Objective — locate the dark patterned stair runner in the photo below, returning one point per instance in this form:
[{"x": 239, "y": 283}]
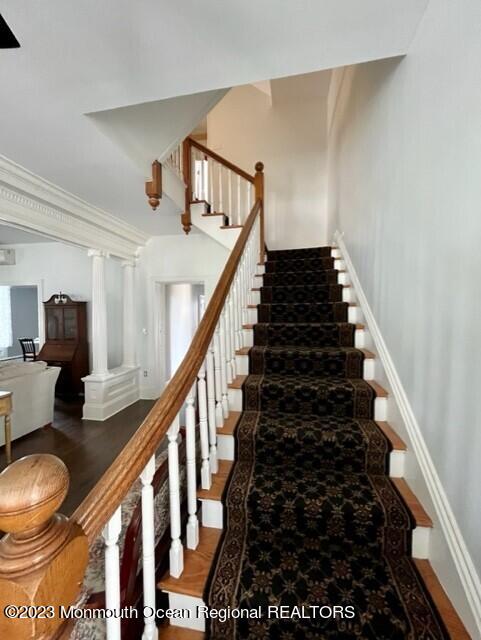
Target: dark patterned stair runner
[{"x": 312, "y": 518}]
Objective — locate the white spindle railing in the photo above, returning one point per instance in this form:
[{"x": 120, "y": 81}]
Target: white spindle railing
[
  {"x": 111, "y": 535},
  {"x": 225, "y": 190},
  {"x": 209, "y": 395},
  {"x": 174, "y": 161},
  {"x": 148, "y": 548}
]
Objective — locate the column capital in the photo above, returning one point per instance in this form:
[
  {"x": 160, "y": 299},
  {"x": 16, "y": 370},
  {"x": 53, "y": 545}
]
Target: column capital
[
  {"x": 97, "y": 253},
  {"x": 130, "y": 262}
]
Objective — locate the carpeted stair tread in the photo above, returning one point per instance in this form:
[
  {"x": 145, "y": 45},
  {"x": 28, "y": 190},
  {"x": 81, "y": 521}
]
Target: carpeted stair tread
[
  {"x": 331, "y": 443},
  {"x": 302, "y": 293},
  {"x": 328, "y": 276},
  {"x": 341, "y": 362},
  {"x": 309, "y": 334},
  {"x": 301, "y": 264},
  {"x": 340, "y": 397},
  {"x": 342, "y": 507},
  {"x": 290, "y": 254},
  {"x": 303, "y": 312}
]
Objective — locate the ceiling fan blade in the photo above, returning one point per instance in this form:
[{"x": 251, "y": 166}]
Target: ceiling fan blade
[{"x": 7, "y": 39}]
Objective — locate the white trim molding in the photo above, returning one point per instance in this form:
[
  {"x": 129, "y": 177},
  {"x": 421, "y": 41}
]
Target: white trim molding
[
  {"x": 456, "y": 546},
  {"x": 108, "y": 394},
  {"x": 29, "y": 202}
]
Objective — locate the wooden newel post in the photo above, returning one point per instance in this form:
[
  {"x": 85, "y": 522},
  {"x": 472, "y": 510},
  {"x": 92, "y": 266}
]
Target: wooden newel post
[
  {"x": 259, "y": 193},
  {"x": 187, "y": 172},
  {"x": 43, "y": 555}
]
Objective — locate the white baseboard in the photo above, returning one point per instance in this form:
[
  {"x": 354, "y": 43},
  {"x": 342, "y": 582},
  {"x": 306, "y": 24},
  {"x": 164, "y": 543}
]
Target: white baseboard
[{"x": 451, "y": 533}]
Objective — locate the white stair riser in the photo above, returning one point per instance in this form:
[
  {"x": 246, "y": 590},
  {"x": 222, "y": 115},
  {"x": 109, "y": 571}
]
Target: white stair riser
[
  {"x": 380, "y": 409},
  {"x": 225, "y": 447},
  {"x": 360, "y": 338},
  {"x": 251, "y": 316},
  {"x": 235, "y": 399},
  {"x": 421, "y": 538},
  {"x": 212, "y": 514},
  {"x": 354, "y": 315},
  {"x": 180, "y": 601},
  {"x": 248, "y": 337},
  {"x": 261, "y": 269},
  {"x": 397, "y": 463},
  {"x": 255, "y": 297},
  {"x": 369, "y": 369},
  {"x": 242, "y": 365}
]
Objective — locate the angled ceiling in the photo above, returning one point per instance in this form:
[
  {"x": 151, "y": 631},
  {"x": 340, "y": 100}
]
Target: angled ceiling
[
  {"x": 152, "y": 129},
  {"x": 78, "y": 58}
]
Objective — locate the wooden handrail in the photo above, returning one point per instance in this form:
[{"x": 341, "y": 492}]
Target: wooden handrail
[
  {"x": 99, "y": 505},
  {"x": 221, "y": 160}
]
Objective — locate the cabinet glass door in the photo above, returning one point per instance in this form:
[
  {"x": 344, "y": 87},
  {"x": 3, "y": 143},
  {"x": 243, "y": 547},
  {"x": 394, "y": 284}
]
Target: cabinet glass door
[
  {"x": 54, "y": 324},
  {"x": 70, "y": 324}
]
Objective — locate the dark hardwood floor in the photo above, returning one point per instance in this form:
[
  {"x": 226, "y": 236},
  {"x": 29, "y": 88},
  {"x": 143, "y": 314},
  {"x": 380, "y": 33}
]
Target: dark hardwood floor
[{"x": 86, "y": 447}]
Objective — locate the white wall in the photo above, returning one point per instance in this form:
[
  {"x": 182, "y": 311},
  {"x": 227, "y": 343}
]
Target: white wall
[
  {"x": 53, "y": 266},
  {"x": 285, "y": 133},
  {"x": 195, "y": 258},
  {"x": 405, "y": 188}
]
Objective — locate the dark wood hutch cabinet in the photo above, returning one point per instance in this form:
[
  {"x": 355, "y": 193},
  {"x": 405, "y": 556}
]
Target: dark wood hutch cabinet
[{"x": 66, "y": 344}]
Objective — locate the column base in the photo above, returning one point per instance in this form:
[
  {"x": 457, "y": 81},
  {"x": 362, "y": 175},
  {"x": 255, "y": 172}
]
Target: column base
[{"x": 107, "y": 394}]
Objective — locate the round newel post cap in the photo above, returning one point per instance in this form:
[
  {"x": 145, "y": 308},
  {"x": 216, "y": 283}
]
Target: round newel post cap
[
  {"x": 259, "y": 167},
  {"x": 31, "y": 490},
  {"x": 154, "y": 202}
]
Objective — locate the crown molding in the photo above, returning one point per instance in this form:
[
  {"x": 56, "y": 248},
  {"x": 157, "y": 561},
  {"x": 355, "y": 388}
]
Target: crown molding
[{"x": 34, "y": 204}]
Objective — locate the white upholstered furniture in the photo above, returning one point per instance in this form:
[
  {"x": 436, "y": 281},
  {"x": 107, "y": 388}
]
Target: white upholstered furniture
[{"x": 33, "y": 387}]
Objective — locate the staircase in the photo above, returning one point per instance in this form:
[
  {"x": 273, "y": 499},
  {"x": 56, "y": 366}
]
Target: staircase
[
  {"x": 285, "y": 482},
  {"x": 314, "y": 509}
]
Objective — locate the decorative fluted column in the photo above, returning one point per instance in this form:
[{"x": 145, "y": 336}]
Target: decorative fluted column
[
  {"x": 99, "y": 314},
  {"x": 128, "y": 355}
]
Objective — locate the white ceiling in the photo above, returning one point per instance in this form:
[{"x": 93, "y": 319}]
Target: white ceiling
[{"x": 77, "y": 58}]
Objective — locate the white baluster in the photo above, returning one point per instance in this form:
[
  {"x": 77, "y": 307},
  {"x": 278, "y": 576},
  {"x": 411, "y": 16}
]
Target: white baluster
[
  {"x": 193, "y": 169},
  {"x": 229, "y": 196},
  {"x": 111, "y": 535},
  {"x": 249, "y": 197},
  {"x": 148, "y": 548},
  {"x": 200, "y": 165},
  {"x": 228, "y": 352},
  {"x": 223, "y": 366},
  {"x": 219, "y": 416},
  {"x": 239, "y": 341},
  {"x": 230, "y": 332},
  {"x": 221, "y": 201},
  {"x": 176, "y": 555},
  {"x": 192, "y": 521},
  {"x": 244, "y": 293},
  {"x": 239, "y": 212},
  {"x": 210, "y": 169},
  {"x": 211, "y": 409},
  {"x": 205, "y": 478}
]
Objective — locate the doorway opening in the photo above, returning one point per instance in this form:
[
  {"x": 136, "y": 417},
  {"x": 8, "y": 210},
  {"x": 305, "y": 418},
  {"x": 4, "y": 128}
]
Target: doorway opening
[
  {"x": 184, "y": 307},
  {"x": 18, "y": 319}
]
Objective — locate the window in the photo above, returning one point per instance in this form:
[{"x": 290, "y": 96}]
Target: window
[{"x": 6, "y": 336}]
